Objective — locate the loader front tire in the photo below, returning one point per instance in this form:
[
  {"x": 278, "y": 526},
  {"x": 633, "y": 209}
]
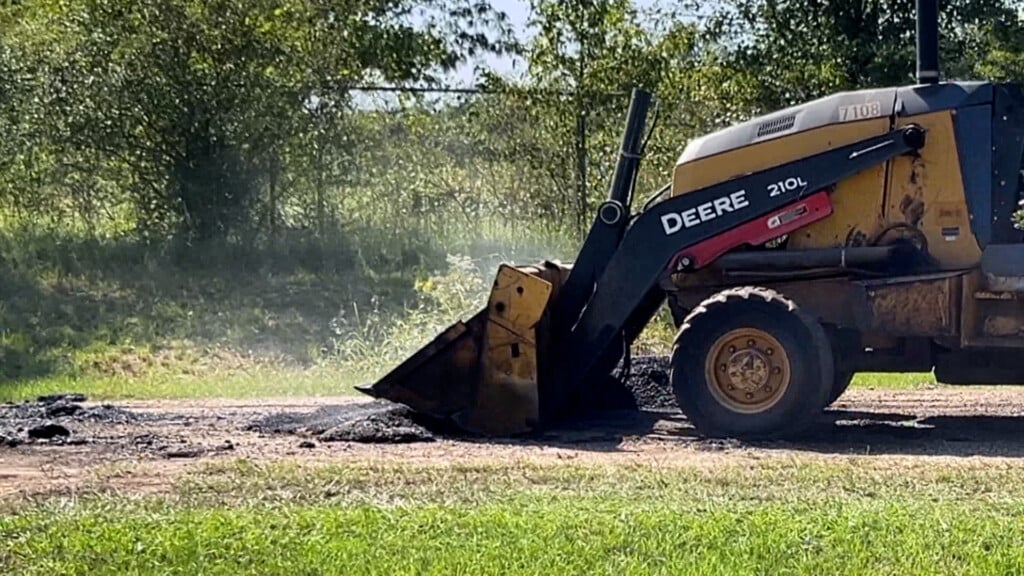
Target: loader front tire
[{"x": 748, "y": 363}]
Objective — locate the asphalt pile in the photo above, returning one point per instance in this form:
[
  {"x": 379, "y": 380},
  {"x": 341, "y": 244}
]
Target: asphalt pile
[
  {"x": 54, "y": 418},
  {"x": 379, "y": 421},
  {"x": 644, "y": 385},
  {"x": 67, "y": 419}
]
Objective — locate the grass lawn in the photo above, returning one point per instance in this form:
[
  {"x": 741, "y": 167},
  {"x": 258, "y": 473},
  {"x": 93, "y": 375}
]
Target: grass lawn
[
  {"x": 118, "y": 319},
  {"x": 850, "y": 517},
  {"x": 879, "y": 381},
  {"x": 258, "y": 382},
  {"x": 268, "y": 381}
]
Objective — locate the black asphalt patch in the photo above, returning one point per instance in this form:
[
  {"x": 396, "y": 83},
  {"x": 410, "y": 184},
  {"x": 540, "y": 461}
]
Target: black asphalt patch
[
  {"x": 48, "y": 431},
  {"x": 55, "y": 419},
  {"x": 61, "y": 418},
  {"x": 377, "y": 422},
  {"x": 648, "y": 383}
]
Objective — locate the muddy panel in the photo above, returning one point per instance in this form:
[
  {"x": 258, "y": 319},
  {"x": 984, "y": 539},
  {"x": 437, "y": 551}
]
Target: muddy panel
[
  {"x": 1002, "y": 326},
  {"x": 836, "y": 301},
  {"x": 926, "y": 200},
  {"x": 914, "y": 307}
]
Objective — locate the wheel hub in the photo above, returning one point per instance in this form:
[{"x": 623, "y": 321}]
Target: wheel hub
[{"x": 747, "y": 370}]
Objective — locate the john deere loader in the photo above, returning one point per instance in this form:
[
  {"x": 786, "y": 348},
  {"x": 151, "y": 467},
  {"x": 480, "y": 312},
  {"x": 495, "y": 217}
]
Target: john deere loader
[{"x": 865, "y": 231}]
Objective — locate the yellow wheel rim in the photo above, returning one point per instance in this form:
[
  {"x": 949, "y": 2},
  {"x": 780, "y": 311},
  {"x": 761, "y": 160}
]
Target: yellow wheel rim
[{"x": 747, "y": 370}]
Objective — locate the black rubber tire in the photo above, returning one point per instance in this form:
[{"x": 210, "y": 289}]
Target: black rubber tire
[
  {"x": 801, "y": 336},
  {"x": 840, "y": 383}
]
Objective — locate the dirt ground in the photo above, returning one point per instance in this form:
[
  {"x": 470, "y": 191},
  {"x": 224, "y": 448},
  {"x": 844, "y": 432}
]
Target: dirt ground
[{"x": 153, "y": 442}]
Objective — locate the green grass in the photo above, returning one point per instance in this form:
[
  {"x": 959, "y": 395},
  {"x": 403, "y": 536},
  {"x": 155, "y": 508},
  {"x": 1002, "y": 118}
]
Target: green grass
[
  {"x": 256, "y": 383},
  {"x": 332, "y": 379},
  {"x": 565, "y": 536},
  {"x": 784, "y": 518},
  {"x": 298, "y": 316},
  {"x": 882, "y": 381},
  {"x": 785, "y": 480},
  {"x": 294, "y": 315},
  {"x": 257, "y": 380}
]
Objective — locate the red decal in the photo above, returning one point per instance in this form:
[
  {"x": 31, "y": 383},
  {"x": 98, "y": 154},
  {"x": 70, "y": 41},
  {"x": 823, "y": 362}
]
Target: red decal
[{"x": 782, "y": 221}]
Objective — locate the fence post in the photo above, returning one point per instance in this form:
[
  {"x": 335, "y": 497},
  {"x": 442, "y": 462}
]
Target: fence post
[{"x": 582, "y": 208}]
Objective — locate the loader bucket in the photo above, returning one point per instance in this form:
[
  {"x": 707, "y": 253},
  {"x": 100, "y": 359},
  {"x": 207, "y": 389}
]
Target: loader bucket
[{"x": 483, "y": 374}]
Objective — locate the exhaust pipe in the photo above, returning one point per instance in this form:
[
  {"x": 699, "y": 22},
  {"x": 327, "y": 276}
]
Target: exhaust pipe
[{"x": 927, "y": 42}]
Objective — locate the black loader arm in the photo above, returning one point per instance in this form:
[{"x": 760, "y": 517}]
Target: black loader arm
[
  {"x": 626, "y": 293},
  {"x": 610, "y": 222}
]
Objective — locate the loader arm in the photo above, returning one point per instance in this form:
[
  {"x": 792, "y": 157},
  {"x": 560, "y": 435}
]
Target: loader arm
[{"x": 525, "y": 360}]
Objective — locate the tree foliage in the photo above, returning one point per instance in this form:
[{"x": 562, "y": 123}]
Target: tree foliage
[
  {"x": 187, "y": 106},
  {"x": 583, "y": 62},
  {"x": 796, "y": 51},
  {"x": 202, "y": 118}
]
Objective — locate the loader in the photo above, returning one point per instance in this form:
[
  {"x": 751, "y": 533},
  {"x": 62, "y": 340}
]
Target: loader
[{"x": 869, "y": 230}]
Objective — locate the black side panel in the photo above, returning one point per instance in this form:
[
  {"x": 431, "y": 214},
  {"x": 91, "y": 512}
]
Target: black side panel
[
  {"x": 973, "y": 129},
  {"x": 1008, "y": 141},
  {"x": 914, "y": 100},
  {"x": 1003, "y": 260},
  {"x": 682, "y": 221}
]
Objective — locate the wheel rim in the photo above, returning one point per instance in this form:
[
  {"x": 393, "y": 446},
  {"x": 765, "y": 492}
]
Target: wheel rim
[{"x": 747, "y": 370}]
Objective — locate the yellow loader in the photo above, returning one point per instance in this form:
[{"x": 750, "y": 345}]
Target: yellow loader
[{"x": 865, "y": 231}]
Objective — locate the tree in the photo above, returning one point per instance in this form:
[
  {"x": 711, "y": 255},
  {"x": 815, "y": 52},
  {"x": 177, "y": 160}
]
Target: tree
[
  {"x": 189, "y": 105},
  {"x": 797, "y": 51},
  {"x": 583, "y": 62}
]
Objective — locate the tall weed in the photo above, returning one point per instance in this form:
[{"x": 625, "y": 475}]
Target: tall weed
[{"x": 373, "y": 341}]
